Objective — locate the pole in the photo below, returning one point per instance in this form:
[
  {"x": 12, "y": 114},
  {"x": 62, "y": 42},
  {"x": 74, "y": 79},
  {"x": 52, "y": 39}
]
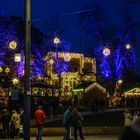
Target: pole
[
  {"x": 59, "y": 81},
  {"x": 58, "y": 71},
  {"x": 27, "y": 72}
]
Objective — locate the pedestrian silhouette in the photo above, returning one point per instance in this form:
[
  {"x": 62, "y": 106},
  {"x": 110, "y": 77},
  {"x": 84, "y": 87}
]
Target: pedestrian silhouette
[
  {"x": 67, "y": 123},
  {"x": 39, "y": 117},
  {"x": 77, "y": 123},
  {"x": 5, "y": 118}
]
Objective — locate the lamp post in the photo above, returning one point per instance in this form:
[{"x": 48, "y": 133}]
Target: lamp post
[
  {"x": 13, "y": 45},
  {"x": 106, "y": 51},
  {"x": 118, "y": 85},
  {"x": 56, "y": 41},
  {"x": 27, "y": 72}
]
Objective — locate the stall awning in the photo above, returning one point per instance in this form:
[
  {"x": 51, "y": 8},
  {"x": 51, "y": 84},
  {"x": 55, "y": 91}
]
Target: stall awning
[{"x": 134, "y": 91}]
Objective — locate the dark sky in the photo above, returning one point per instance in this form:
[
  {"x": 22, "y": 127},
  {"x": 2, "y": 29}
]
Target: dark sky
[{"x": 68, "y": 10}]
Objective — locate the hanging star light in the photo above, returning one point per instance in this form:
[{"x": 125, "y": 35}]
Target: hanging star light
[
  {"x": 106, "y": 51},
  {"x": 13, "y": 45},
  {"x": 67, "y": 57}
]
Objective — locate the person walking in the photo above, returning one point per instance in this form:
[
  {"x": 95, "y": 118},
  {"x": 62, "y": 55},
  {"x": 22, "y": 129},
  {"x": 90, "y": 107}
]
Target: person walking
[
  {"x": 131, "y": 132},
  {"x": 39, "y": 117},
  {"x": 77, "y": 122},
  {"x": 127, "y": 118},
  {"x": 135, "y": 116},
  {"x": 5, "y": 118},
  {"x": 67, "y": 122},
  {"x": 15, "y": 118}
]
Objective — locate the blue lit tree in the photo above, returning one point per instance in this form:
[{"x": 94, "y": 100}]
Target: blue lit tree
[
  {"x": 12, "y": 29},
  {"x": 99, "y": 34},
  {"x": 52, "y": 28}
]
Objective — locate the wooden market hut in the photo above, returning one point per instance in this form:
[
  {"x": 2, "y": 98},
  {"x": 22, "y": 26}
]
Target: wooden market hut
[
  {"x": 90, "y": 94},
  {"x": 132, "y": 92},
  {"x": 44, "y": 94}
]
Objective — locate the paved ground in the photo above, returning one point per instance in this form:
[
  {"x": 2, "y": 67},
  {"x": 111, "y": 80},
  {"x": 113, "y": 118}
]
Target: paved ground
[{"x": 95, "y": 137}]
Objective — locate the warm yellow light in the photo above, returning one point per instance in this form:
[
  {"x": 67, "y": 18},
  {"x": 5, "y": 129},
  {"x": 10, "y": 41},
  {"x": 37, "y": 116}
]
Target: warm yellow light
[
  {"x": 13, "y": 44},
  {"x": 128, "y": 46},
  {"x": 7, "y": 70},
  {"x": 56, "y": 40},
  {"x": 67, "y": 57},
  {"x": 17, "y": 57},
  {"x": 51, "y": 61},
  {"x": 120, "y": 81},
  {"x": 39, "y": 77},
  {"x": 1, "y": 69},
  {"x": 15, "y": 81}
]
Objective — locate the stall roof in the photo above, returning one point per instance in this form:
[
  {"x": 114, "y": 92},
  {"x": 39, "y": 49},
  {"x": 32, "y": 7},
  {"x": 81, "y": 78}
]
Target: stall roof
[
  {"x": 134, "y": 91},
  {"x": 88, "y": 86}
]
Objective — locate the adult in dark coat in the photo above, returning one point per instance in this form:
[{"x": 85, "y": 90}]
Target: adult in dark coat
[
  {"x": 131, "y": 132},
  {"x": 77, "y": 123},
  {"x": 67, "y": 122},
  {"x": 5, "y": 118}
]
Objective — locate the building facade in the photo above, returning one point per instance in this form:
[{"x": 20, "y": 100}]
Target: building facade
[{"x": 67, "y": 70}]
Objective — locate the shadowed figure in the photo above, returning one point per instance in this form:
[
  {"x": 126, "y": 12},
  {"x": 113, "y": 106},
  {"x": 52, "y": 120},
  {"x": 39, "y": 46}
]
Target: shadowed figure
[
  {"x": 5, "y": 118},
  {"x": 131, "y": 132}
]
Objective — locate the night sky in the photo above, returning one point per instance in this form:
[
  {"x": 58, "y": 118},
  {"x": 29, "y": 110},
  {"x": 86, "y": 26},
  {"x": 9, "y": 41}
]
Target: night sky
[{"x": 69, "y": 11}]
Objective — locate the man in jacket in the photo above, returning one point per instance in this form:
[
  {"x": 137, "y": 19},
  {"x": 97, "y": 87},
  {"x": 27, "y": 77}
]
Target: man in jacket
[
  {"x": 67, "y": 122},
  {"x": 39, "y": 117}
]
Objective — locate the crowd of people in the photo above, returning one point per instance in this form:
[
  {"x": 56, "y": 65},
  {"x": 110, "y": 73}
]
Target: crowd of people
[
  {"x": 130, "y": 117},
  {"x": 125, "y": 101},
  {"x": 132, "y": 125},
  {"x": 71, "y": 118},
  {"x": 11, "y": 123}
]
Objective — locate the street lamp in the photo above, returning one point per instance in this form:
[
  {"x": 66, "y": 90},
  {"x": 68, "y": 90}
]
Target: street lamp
[
  {"x": 56, "y": 41},
  {"x": 106, "y": 51},
  {"x": 13, "y": 45},
  {"x": 117, "y": 86},
  {"x": 128, "y": 46},
  {"x": 119, "y": 81},
  {"x": 17, "y": 57}
]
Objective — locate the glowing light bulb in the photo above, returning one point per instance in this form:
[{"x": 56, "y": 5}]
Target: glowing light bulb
[
  {"x": 106, "y": 51},
  {"x": 56, "y": 40}
]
